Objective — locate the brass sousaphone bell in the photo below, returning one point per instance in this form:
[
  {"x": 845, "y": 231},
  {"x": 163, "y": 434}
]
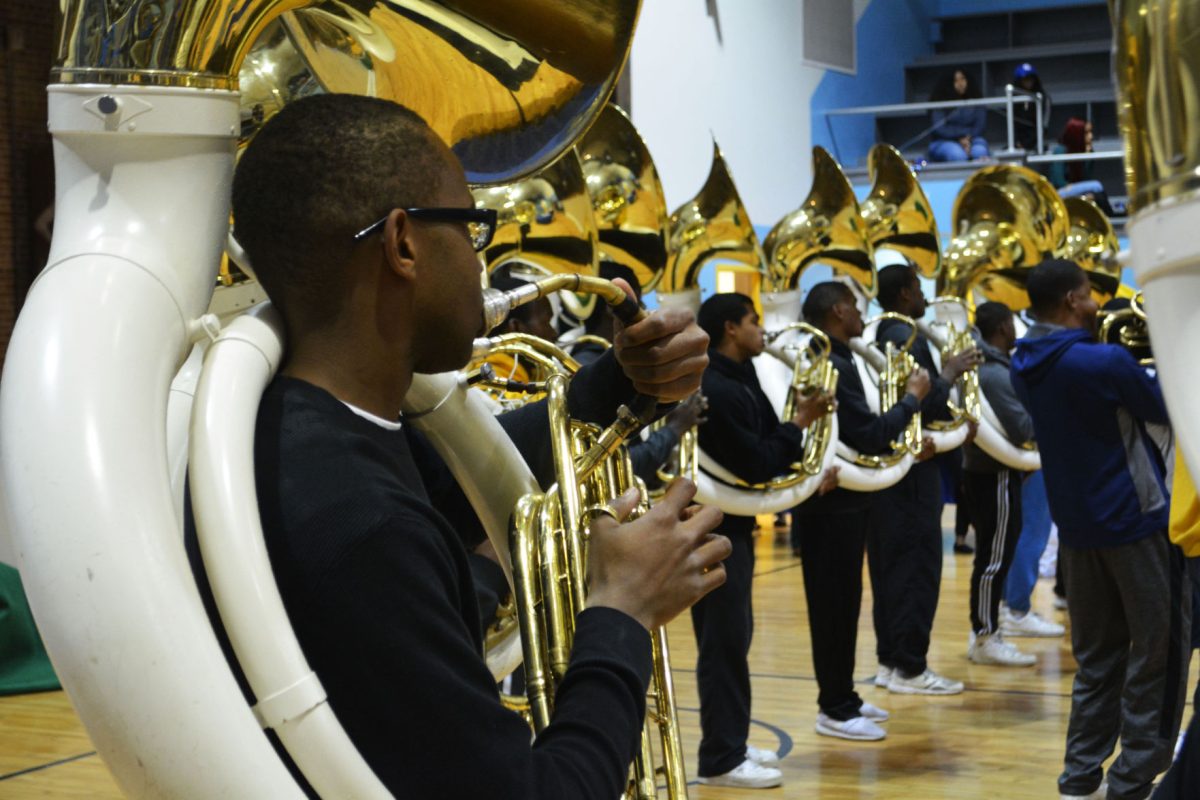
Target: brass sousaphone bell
[
  {"x": 1007, "y": 219},
  {"x": 627, "y": 196},
  {"x": 827, "y": 227},
  {"x": 712, "y": 225},
  {"x": 1092, "y": 244},
  {"x": 897, "y": 213}
]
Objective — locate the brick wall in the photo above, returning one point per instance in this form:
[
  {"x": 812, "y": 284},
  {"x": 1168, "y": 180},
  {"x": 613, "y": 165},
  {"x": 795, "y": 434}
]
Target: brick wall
[{"x": 26, "y": 182}]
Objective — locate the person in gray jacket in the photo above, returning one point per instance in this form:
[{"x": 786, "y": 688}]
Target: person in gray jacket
[{"x": 994, "y": 492}]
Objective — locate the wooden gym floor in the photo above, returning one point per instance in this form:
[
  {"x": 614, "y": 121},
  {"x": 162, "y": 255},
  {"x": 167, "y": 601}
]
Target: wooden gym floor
[{"x": 1003, "y": 737}]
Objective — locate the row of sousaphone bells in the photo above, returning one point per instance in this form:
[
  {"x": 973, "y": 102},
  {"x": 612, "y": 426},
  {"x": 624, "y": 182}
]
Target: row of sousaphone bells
[{"x": 603, "y": 200}]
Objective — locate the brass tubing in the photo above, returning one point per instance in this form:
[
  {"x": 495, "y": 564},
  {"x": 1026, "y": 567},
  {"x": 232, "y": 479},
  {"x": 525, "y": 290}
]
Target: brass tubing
[
  {"x": 567, "y": 489},
  {"x": 668, "y": 717},
  {"x": 556, "y": 600},
  {"x": 522, "y": 544},
  {"x": 497, "y": 304}
]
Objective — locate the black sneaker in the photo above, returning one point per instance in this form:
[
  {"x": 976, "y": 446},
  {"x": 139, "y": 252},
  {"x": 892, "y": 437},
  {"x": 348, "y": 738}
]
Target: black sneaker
[{"x": 963, "y": 549}]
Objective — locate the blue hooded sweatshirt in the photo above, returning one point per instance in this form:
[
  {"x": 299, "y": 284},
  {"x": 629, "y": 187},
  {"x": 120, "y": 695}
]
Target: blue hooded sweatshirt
[{"x": 1089, "y": 403}]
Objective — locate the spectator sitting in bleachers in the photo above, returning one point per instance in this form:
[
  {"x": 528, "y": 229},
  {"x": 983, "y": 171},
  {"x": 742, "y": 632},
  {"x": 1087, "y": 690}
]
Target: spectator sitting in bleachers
[
  {"x": 1026, "y": 81},
  {"x": 1074, "y": 178},
  {"x": 957, "y": 134}
]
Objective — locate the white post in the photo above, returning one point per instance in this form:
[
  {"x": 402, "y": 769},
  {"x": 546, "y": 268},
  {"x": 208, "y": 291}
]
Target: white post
[
  {"x": 1038, "y": 112},
  {"x": 1008, "y": 95}
]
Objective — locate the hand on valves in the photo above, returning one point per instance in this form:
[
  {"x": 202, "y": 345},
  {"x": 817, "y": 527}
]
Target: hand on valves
[
  {"x": 954, "y": 366},
  {"x": 660, "y": 564},
  {"x": 812, "y": 406},
  {"x": 918, "y": 383}
]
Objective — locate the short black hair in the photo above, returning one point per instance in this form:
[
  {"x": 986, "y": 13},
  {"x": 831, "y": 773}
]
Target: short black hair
[
  {"x": 892, "y": 281},
  {"x": 319, "y": 171},
  {"x": 1050, "y": 282},
  {"x": 719, "y": 309},
  {"x": 990, "y": 316},
  {"x": 821, "y": 300}
]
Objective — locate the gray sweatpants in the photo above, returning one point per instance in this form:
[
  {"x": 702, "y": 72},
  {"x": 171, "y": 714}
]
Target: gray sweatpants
[{"x": 1130, "y": 610}]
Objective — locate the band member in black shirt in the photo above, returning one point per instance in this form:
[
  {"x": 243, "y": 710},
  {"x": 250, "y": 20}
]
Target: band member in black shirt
[
  {"x": 832, "y": 529},
  {"x": 905, "y": 552},
  {"x": 375, "y": 581},
  {"x": 744, "y": 435}
]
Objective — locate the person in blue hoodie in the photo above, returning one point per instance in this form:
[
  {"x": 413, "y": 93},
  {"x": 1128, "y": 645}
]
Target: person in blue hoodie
[{"x": 1126, "y": 587}]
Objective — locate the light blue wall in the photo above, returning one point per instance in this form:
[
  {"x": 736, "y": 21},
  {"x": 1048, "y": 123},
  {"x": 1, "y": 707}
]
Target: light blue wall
[{"x": 890, "y": 34}]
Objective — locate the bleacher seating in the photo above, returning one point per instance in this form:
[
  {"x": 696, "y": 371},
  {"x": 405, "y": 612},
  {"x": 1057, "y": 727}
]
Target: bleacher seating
[{"x": 1069, "y": 46}]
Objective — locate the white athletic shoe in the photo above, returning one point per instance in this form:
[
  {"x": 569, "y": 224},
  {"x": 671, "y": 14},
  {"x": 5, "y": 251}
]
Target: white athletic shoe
[
  {"x": 883, "y": 676},
  {"x": 928, "y": 682},
  {"x": 1099, "y": 794},
  {"x": 873, "y": 713},
  {"x": 1031, "y": 624},
  {"x": 760, "y": 756},
  {"x": 858, "y": 729},
  {"x": 992, "y": 649},
  {"x": 747, "y": 775}
]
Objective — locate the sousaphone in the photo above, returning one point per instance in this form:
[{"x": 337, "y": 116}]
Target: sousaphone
[{"x": 830, "y": 229}]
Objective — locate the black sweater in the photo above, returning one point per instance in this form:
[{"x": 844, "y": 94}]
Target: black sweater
[
  {"x": 378, "y": 590},
  {"x": 743, "y": 433},
  {"x": 860, "y": 427}
]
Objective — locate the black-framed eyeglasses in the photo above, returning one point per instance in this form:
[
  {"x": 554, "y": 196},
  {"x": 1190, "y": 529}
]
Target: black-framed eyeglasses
[{"x": 481, "y": 222}]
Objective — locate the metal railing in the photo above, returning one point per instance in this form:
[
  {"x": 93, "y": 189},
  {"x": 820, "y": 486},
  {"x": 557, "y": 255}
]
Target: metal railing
[
  {"x": 1011, "y": 97},
  {"x": 1095, "y": 155}
]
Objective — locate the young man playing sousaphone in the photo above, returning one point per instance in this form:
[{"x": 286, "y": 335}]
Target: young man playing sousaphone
[
  {"x": 363, "y": 233},
  {"x": 744, "y": 435},
  {"x": 832, "y": 529},
  {"x": 905, "y": 550}
]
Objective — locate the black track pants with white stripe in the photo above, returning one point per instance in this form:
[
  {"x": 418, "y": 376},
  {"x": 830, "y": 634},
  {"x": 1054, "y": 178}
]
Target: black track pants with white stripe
[{"x": 995, "y": 502}]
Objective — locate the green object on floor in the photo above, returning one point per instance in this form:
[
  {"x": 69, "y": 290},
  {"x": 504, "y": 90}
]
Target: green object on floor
[{"x": 24, "y": 665}]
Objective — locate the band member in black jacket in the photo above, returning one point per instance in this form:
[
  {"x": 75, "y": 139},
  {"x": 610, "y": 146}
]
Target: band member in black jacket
[
  {"x": 905, "y": 552},
  {"x": 832, "y": 529},
  {"x": 744, "y": 435}
]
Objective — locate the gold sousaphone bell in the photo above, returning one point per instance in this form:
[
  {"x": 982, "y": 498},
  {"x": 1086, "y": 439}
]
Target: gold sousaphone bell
[
  {"x": 897, "y": 213},
  {"x": 495, "y": 83},
  {"x": 627, "y": 196},
  {"x": 713, "y": 224},
  {"x": 827, "y": 227},
  {"x": 1007, "y": 220}
]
